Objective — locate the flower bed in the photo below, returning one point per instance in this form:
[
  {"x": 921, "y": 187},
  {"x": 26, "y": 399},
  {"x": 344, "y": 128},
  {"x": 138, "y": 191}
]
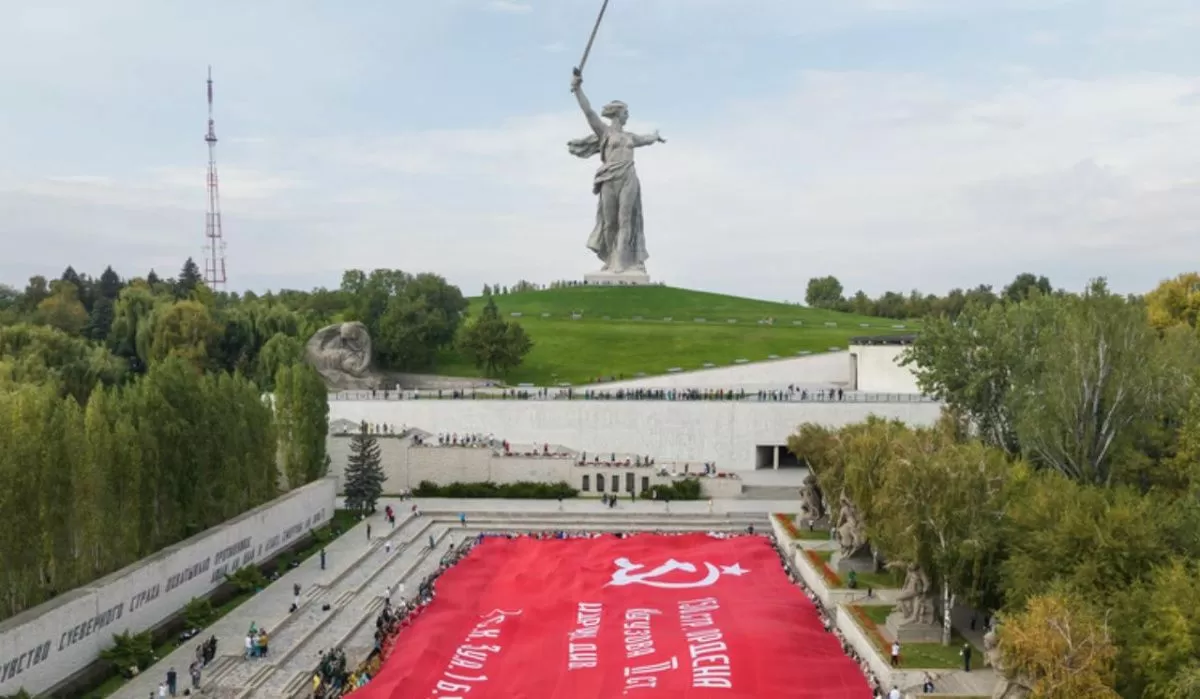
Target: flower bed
[
  {"x": 818, "y": 561},
  {"x": 869, "y": 627},
  {"x": 788, "y": 525}
]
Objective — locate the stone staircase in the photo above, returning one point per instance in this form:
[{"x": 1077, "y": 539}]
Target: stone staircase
[{"x": 354, "y": 594}]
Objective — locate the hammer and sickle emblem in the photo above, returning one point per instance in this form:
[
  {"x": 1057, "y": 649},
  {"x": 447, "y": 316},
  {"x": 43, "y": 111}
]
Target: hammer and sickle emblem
[{"x": 625, "y": 575}]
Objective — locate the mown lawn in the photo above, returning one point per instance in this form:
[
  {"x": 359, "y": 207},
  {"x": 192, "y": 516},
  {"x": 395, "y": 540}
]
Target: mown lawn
[
  {"x": 912, "y": 655},
  {"x": 621, "y": 332}
]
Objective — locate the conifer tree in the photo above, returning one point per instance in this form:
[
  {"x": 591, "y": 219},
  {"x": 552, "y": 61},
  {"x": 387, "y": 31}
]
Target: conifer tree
[{"x": 364, "y": 472}]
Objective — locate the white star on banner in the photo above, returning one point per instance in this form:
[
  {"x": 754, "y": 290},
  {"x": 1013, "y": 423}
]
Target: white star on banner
[{"x": 735, "y": 569}]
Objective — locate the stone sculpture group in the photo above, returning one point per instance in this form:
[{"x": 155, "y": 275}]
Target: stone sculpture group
[
  {"x": 851, "y": 530},
  {"x": 341, "y": 353},
  {"x": 914, "y": 604}
]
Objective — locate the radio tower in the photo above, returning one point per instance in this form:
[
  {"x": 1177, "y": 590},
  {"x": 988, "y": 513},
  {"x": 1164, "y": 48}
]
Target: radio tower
[{"x": 214, "y": 258}]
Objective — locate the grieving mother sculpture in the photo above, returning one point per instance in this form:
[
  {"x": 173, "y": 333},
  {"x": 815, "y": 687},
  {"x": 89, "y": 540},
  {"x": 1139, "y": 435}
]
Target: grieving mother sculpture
[{"x": 618, "y": 238}]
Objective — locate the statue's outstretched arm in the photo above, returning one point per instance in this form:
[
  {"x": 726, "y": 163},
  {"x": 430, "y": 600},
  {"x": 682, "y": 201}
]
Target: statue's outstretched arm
[
  {"x": 593, "y": 118},
  {"x": 640, "y": 140}
]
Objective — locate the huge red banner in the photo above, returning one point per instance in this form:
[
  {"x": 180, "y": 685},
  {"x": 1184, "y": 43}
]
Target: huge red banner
[{"x": 650, "y": 616}]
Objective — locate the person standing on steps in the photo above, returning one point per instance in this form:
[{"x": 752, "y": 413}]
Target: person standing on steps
[
  {"x": 432, "y": 543},
  {"x": 462, "y": 518}
]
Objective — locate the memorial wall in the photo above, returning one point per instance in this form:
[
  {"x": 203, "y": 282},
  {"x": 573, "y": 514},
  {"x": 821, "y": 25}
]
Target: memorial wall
[
  {"x": 44, "y": 646},
  {"x": 726, "y": 433}
]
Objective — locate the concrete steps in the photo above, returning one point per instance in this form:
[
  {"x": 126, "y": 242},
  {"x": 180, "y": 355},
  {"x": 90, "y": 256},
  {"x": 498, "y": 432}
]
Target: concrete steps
[
  {"x": 355, "y": 593},
  {"x": 292, "y": 629},
  {"x": 358, "y": 609}
]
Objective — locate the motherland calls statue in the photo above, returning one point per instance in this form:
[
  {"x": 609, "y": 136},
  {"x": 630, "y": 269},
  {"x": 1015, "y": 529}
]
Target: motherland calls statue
[
  {"x": 341, "y": 353},
  {"x": 618, "y": 238},
  {"x": 851, "y": 530},
  {"x": 914, "y": 603}
]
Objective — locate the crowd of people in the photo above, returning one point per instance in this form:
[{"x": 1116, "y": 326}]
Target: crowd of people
[
  {"x": 333, "y": 678},
  {"x": 793, "y": 393}
]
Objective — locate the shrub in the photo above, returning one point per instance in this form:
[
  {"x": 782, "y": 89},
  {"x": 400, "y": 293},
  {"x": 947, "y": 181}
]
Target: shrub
[
  {"x": 687, "y": 489},
  {"x": 520, "y": 490},
  {"x": 247, "y": 579},
  {"x": 198, "y": 613},
  {"x": 130, "y": 651}
]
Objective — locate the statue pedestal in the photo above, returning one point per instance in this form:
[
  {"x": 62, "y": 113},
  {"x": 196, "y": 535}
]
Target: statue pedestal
[
  {"x": 615, "y": 279},
  {"x": 912, "y": 633},
  {"x": 859, "y": 563}
]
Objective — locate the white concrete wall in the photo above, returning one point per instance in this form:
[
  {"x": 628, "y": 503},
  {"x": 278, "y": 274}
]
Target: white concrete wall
[
  {"x": 406, "y": 466},
  {"x": 47, "y": 644},
  {"x": 879, "y": 370},
  {"x": 723, "y": 432},
  {"x": 817, "y": 370}
]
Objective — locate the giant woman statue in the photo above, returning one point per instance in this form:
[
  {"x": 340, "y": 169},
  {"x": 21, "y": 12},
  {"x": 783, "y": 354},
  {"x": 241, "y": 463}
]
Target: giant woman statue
[{"x": 618, "y": 238}]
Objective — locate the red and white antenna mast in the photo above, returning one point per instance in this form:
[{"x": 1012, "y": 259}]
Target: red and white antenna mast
[{"x": 214, "y": 258}]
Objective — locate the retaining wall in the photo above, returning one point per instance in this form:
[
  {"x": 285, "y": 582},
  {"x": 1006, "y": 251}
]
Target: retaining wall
[
  {"x": 44, "y": 646},
  {"x": 722, "y": 432}
]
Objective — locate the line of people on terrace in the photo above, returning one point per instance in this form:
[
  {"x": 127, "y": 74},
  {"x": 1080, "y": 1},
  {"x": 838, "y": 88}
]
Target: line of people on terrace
[
  {"x": 792, "y": 393},
  {"x": 827, "y": 621}
]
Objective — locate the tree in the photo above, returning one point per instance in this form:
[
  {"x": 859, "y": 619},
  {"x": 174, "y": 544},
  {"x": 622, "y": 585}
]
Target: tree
[
  {"x": 364, "y": 472},
  {"x": 302, "y": 415},
  {"x": 971, "y": 363},
  {"x": 1025, "y": 285},
  {"x": 62, "y": 309},
  {"x": 109, "y": 285},
  {"x": 101, "y": 318},
  {"x": 183, "y": 328},
  {"x": 1175, "y": 302},
  {"x": 279, "y": 351},
  {"x": 1098, "y": 540},
  {"x": 494, "y": 344},
  {"x": 189, "y": 280},
  {"x": 824, "y": 292},
  {"x": 1097, "y": 378},
  {"x": 1153, "y": 654},
  {"x": 1062, "y": 646},
  {"x": 951, "y": 533}
]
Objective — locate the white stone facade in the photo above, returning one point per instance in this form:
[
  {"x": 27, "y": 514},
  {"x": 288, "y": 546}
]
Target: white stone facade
[
  {"x": 405, "y": 465},
  {"x": 876, "y": 369},
  {"x": 726, "y": 433}
]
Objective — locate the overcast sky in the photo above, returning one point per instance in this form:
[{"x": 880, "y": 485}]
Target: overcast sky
[{"x": 892, "y": 143}]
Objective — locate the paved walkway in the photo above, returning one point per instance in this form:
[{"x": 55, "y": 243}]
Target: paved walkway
[{"x": 585, "y": 505}]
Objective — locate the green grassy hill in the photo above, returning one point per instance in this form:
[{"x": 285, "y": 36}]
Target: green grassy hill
[{"x": 622, "y": 331}]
